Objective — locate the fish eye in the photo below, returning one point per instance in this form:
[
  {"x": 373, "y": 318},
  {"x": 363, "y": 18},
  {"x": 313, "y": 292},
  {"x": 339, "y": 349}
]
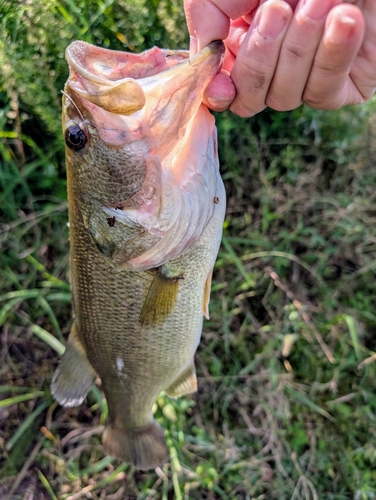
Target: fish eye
[{"x": 75, "y": 137}]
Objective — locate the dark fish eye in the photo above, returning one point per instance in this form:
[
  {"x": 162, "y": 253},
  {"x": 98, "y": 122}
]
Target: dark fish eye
[{"x": 75, "y": 138}]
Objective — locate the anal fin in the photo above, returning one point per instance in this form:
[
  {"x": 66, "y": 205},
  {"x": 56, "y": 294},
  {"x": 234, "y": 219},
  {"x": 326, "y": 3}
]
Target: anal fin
[
  {"x": 160, "y": 299},
  {"x": 185, "y": 383},
  {"x": 74, "y": 376}
]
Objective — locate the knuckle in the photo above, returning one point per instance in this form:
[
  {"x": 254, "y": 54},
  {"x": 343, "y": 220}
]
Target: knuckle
[
  {"x": 244, "y": 110},
  {"x": 234, "y": 9},
  {"x": 331, "y": 63},
  {"x": 256, "y": 74},
  {"x": 282, "y": 103},
  {"x": 295, "y": 51},
  {"x": 368, "y": 51},
  {"x": 318, "y": 100}
]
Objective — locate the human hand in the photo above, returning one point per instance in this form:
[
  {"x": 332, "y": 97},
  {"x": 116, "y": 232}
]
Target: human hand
[{"x": 281, "y": 53}]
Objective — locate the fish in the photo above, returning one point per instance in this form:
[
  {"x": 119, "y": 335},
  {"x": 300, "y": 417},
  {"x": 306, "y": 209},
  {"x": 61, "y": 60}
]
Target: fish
[{"x": 146, "y": 208}]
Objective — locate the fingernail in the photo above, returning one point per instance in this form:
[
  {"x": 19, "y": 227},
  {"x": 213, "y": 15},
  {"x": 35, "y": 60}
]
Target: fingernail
[
  {"x": 339, "y": 29},
  {"x": 273, "y": 19},
  {"x": 220, "y": 92},
  {"x": 316, "y": 10},
  {"x": 218, "y": 103}
]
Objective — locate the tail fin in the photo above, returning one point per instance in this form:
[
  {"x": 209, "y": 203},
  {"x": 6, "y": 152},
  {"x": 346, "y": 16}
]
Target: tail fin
[{"x": 143, "y": 447}]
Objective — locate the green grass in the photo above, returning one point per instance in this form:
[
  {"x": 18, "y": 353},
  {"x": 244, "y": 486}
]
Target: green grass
[{"x": 286, "y": 368}]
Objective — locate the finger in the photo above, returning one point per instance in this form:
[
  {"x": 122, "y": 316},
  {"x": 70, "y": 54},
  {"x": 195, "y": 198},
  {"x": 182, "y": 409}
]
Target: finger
[
  {"x": 344, "y": 31},
  {"x": 238, "y": 31},
  {"x": 220, "y": 92},
  {"x": 251, "y": 15},
  {"x": 209, "y": 20},
  {"x": 257, "y": 57},
  {"x": 363, "y": 72},
  {"x": 229, "y": 60},
  {"x": 297, "y": 53}
]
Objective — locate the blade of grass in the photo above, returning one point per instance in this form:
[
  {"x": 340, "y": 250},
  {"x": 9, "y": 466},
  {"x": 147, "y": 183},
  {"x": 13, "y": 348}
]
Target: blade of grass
[
  {"x": 21, "y": 294},
  {"x": 238, "y": 263},
  {"x": 101, "y": 403},
  {"x": 97, "y": 467},
  {"x": 26, "y": 424},
  {"x": 46, "y": 484},
  {"x": 298, "y": 396},
  {"x": 47, "y": 308},
  {"x": 92, "y": 487},
  {"x": 7, "y": 307},
  {"x": 96, "y": 15},
  {"x": 19, "y": 399},
  {"x": 25, "y": 468},
  {"x": 52, "y": 280},
  {"x": 285, "y": 255},
  {"x": 349, "y": 320},
  {"x": 60, "y": 297},
  {"x": 12, "y": 388},
  {"x": 33, "y": 218},
  {"x": 48, "y": 338}
]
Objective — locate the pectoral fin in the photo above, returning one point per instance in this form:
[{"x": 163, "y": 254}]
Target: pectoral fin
[
  {"x": 184, "y": 384},
  {"x": 205, "y": 305},
  {"x": 161, "y": 298},
  {"x": 74, "y": 376}
]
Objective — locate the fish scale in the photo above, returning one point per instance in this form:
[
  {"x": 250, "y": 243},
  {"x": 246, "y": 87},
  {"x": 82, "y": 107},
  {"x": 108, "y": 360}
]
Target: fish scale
[{"x": 141, "y": 270}]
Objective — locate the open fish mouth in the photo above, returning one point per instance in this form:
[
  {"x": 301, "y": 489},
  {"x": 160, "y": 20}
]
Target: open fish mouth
[
  {"x": 146, "y": 109},
  {"x": 119, "y": 82}
]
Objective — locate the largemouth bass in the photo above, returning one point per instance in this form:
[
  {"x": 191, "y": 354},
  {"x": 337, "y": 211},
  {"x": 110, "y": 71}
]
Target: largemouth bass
[{"x": 146, "y": 208}]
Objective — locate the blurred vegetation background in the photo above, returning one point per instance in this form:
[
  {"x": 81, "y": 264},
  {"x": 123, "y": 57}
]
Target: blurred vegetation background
[{"x": 286, "y": 367}]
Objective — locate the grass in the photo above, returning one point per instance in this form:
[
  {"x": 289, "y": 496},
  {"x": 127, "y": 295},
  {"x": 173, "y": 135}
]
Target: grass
[{"x": 286, "y": 368}]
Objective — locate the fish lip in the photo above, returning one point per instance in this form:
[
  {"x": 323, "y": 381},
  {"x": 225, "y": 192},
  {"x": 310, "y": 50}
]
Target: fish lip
[{"x": 215, "y": 47}]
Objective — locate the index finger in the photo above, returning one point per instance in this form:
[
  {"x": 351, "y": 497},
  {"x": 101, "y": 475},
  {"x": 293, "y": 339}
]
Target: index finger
[{"x": 209, "y": 20}]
